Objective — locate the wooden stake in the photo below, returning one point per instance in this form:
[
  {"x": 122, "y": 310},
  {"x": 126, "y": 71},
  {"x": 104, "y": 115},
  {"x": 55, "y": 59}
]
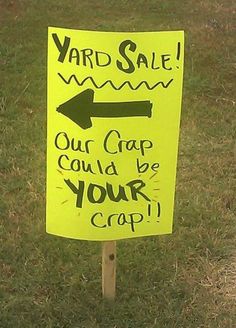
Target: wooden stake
[{"x": 109, "y": 269}]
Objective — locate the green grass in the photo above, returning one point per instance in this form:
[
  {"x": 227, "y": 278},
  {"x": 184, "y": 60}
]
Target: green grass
[{"x": 185, "y": 280}]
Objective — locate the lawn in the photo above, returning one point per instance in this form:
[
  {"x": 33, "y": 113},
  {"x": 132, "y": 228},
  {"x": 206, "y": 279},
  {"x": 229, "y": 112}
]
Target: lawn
[{"x": 183, "y": 280}]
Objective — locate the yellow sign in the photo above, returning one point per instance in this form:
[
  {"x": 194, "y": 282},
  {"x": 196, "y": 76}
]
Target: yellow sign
[{"x": 114, "y": 104}]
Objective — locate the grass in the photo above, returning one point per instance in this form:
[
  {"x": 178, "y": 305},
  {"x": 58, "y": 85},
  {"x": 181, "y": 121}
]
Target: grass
[{"x": 185, "y": 280}]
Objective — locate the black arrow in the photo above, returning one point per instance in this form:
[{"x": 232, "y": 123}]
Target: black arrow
[{"x": 81, "y": 108}]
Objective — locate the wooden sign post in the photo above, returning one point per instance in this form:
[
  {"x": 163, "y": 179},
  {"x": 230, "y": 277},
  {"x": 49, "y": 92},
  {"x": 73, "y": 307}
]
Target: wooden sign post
[{"x": 109, "y": 269}]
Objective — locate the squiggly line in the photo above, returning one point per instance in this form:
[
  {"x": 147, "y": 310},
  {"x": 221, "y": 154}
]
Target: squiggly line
[{"x": 90, "y": 78}]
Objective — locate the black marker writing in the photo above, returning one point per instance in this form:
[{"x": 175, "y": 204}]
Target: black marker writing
[
  {"x": 130, "y": 59},
  {"x": 85, "y": 57},
  {"x": 63, "y": 142},
  {"x": 97, "y": 194},
  {"x": 82, "y": 107},
  {"x": 147, "y": 85},
  {"x": 114, "y": 144},
  {"x": 128, "y": 66},
  {"x": 120, "y": 219}
]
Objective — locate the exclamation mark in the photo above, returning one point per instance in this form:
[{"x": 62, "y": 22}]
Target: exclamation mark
[
  {"x": 149, "y": 210},
  {"x": 178, "y": 52},
  {"x": 158, "y": 210}
]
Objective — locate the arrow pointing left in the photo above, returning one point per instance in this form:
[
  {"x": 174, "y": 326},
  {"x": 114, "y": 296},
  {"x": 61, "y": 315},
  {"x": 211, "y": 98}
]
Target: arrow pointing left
[{"x": 82, "y": 107}]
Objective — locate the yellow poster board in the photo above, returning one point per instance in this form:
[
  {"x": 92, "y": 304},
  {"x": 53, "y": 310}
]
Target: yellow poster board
[{"x": 114, "y": 103}]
